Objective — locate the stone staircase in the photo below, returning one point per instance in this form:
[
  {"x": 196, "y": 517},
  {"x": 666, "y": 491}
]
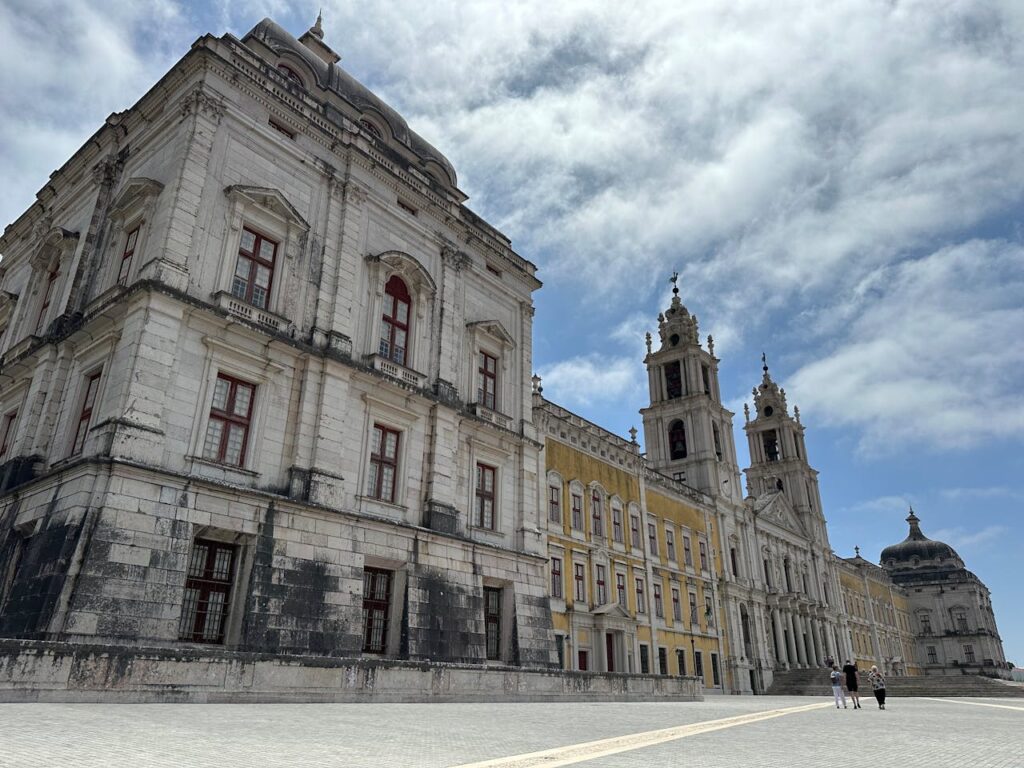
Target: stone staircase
[{"x": 815, "y": 682}]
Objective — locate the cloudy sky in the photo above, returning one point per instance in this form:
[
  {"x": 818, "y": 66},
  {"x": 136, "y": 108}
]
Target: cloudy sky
[{"x": 838, "y": 185}]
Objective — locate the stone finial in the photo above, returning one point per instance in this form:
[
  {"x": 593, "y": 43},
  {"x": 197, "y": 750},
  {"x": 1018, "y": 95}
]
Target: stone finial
[
  {"x": 647, "y": 338},
  {"x": 856, "y": 551},
  {"x": 711, "y": 345},
  {"x": 537, "y": 388},
  {"x": 796, "y": 413},
  {"x": 632, "y": 435},
  {"x": 318, "y": 28},
  {"x": 746, "y": 412}
]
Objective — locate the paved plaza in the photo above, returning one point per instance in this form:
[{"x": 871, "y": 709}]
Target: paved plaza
[{"x": 761, "y": 731}]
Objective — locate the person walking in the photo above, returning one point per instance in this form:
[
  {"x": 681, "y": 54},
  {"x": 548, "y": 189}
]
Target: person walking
[
  {"x": 850, "y": 670},
  {"x": 878, "y": 685},
  {"x": 837, "y": 686}
]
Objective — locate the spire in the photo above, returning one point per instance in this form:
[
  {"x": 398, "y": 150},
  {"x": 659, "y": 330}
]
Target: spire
[
  {"x": 676, "y": 325},
  {"x": 856, "y": 551},
  {"x": 318, "y": 28},
  {"x": 915, "y": 528},
  {"x": 313, "y": 39}
]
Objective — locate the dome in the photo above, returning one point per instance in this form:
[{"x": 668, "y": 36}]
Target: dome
[{"x": 917, "y": 549}]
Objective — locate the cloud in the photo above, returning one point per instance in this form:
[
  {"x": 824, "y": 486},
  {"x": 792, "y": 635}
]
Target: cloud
[
  {"x": 962, "y": 539},
  {"x": 990, "y": 492},
  {"x": 881, "y": 505},
  {"x": 585, "y": 381}
]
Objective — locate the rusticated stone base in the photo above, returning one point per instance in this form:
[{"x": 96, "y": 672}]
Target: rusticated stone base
[{"x": 63, "y": 672}]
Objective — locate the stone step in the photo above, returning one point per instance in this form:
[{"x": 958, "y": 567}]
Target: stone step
[{"x": 815, "y": 682}]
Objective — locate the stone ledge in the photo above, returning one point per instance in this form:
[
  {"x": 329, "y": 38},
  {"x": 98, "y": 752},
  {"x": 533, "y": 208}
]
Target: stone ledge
[{"x": 35, "y": 670}]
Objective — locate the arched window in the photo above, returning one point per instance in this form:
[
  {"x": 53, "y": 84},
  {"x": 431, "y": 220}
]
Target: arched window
[
  {"x": 394, "y": 327},
  {"x": 373, "y": 129},
  {"x": 291, "y": 74},
  {"x": 677, "y": 440}
]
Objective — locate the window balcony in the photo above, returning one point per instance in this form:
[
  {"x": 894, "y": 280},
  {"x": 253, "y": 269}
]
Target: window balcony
[
  {"x": 393, "y": 370},
  {"x": 494, "y": 417},
  {"x": 243, "y": 309}
]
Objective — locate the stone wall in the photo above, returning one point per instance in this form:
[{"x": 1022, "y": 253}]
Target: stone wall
[{"x": 62, "y": 672}]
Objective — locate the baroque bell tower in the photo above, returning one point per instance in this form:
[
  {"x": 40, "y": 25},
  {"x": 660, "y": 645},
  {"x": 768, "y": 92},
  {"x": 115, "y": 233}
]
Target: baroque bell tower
[
  {"x": 778, "y": 456},
  {"x": 687, "y": 431}
]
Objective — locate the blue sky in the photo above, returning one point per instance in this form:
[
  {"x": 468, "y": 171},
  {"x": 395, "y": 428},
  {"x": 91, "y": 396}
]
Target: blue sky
[{"x": 839, "y": 186}]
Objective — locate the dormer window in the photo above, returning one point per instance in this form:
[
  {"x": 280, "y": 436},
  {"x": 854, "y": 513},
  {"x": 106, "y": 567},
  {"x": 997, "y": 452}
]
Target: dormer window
[
  {"x": 291, "y": 74},
  {"x": 372, "y": 129},
  {"x": 677, "y": 440}
]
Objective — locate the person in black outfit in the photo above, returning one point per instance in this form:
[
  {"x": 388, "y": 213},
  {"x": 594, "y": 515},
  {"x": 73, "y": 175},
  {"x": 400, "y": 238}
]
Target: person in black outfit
[{"x": 850, "y": 670}]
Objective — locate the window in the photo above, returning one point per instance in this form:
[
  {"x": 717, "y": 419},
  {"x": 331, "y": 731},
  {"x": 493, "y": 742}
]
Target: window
[
  {"x": 579, "y": 579},
  {"x": 771, "y": 445},
  {"x": 485, "y": 496},
  {"x": 933, "y": 656},
  {"x": 652, "y": 539},
  {"x": 51, "y": 284},
  {"x": 373, "y": 129},
  {"x": 703, "y": 555},
  {"x": 645, "y": 660},
  {"x": 767, "y": 573},
  {"x": 394, "y": 326},
  {"x": 734, "y": 561},
  {"x": 717, "y": 440},
  {"x": 681, "y": 662},
  {"x": 126, "y": 256},
  {"x": 698, "y": 664},
  {"x": 926, "y": 624},
  {"x": 969, "y": 654},
  {"x": 687, "y": 550},
  {"x": 634, "y": 531},
  {"x": 663, "y": 661},
  {"x": 617, "y": 525},
  {"x": 92, "y": 384},
  {"x": 227, "y": 431},
  {"x": 602, "y": 587},
  {"x": 488, "y": 370},
  {"x": 694, "y": 619},
  {"x": 595, "y": 507},
  {"x": 383, "y": 464},
  {"x": 659, "y": 608},
  {"x": 641, "y": 601},
  {"x": 554, "y": 504},
  {"x": 291, "y": 74},
  {"x": 709, "y": 614},
  {"x": 254, "y": 270},
  {"x": 620, "y": 588},
  {"x": 670, "y": 544},
  {"x": 7, "y": 433},
  {"x": 716, "y": 676},
  {"x": 492, "y": 622},
  {"x": 677, "y": 608},
  {"x": 577, "y": 512},
  {"x": 560, "y": 649},
  {"x": 583, "y": 661},
  {"x": 961, "y": 621},
  {"x": 676, "y": 440},
  {"x": 673, "y": 380},
  {"x": 207, "y": 591},
  {"x": 376, "y": 608},
  {"x": 556, "y": 577},
  {"x": 706, "y": 376}
]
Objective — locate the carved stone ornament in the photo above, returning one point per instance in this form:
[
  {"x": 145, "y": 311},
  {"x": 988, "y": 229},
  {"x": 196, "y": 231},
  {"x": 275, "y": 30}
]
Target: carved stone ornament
[
  {"x": 354, "y": 194},
  {"x": 200, "y": 102},
  {"x": 454, "y": 258}
]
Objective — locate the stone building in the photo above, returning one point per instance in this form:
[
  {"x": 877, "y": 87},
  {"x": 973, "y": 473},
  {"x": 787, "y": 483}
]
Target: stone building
[
  {"x": 633, "y": 570},
  {"x": 265, "y": 381},
  {"x": 951, "y": 609},
  {"x": 878, "y": 616}
]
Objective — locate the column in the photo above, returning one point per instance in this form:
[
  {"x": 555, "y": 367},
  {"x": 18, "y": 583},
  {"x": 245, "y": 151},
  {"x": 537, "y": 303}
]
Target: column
[
  {"x": 801, "y": 649},
  {"x": 819, "y": 656},
  {"x": 780, "y": 639},
  {"x": 791, "y": 645}
]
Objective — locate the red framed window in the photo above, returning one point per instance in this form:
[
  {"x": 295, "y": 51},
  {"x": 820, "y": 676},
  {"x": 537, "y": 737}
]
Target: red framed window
[
  {"x": 556, "y": 577},
  {"x": 704, "y": 556},
  {"x": 597, "y": 513},
  {"x": 383, "y": 463},
  {"x": 492, "y": 622},
  {"x": 634, "y": 531},
  {"x": 211, "y": 571},
  {"x": 554, "y": 504},
  {"x": 7, "y": 433},
  {"x": 485, "y": 496},
  {"x": 687, "y": 551},
  {"x": 488, "y": 370},
  {"x": 580, "y": 582},
  {"x": 652, "y": 539},
  {"x": 92, "y": 385},
  {"x": 577, "y": 512},
  {"x": 617, "y": 524},
  {"x": 694, "y": 619},
  {"x": 48, "y": 291},
  {"x": 394, "y": 325},
  {"x": 227, "y": 431},
  {"x": 641, "y": 600},
  {"x": 126, "y": 256},
  {"x": 254, "y": 270},
  {"x": 670, "y": 544},
  {"x": 677, "y": 608},
  {"x": 602, "y": 586},
  {"x": 659, "y": 608},
  {"x": 620, "y": 589},
  {"x": 376, "y": 609}
]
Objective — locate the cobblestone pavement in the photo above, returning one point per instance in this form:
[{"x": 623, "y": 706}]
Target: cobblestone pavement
[{"x": 910, "y": 733}]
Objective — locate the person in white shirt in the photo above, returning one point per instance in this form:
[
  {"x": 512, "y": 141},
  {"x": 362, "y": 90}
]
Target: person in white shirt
[{"x": 837, "y": 686}]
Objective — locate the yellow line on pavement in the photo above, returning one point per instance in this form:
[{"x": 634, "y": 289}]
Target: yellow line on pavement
[
  {"x": 975, "y": 703},
  {"x": 589, "y": 750}
]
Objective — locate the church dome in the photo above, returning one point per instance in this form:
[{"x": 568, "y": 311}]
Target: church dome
[{"x": 918, "y": 550}]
